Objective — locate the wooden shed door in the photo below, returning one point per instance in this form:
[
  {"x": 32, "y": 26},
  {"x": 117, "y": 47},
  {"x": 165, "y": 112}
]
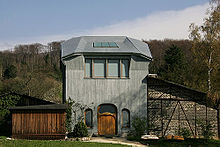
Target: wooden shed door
[{"x": 106, "y": 120}]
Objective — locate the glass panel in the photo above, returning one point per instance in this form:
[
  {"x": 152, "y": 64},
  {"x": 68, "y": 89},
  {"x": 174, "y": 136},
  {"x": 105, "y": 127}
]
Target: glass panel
[
  {"x": 97, "y": 44},
  {"x": 107, "y": 108},
  {"x": 112, "y": 44},
  {"x": 88, "y": 118},
  {"x": 105, "y": 44},
  {"x": 88, "y": 67},
  {"x": 125, "y": 66},
  {"x": 113, "y": 66},
  {"x": 99, "y": 67},
  {"x": 125, "y": 119}
]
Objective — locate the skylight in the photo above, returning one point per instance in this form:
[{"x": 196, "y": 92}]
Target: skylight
[{"x": 105, "y": 45}]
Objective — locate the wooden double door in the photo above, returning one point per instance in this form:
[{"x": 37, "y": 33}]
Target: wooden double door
[{"x": 107, "y": 116}]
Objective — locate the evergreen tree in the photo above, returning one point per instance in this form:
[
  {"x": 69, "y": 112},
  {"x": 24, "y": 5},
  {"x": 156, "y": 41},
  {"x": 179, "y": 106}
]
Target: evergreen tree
[
  {"x": 10, "y": 72},
  {"x": 174, "y": 65}
]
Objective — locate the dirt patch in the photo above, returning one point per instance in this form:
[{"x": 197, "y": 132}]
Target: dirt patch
[{"x": 116, "y": 140}]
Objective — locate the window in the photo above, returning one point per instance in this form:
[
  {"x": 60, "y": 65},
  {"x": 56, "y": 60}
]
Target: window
[
  {"x": 113, "y": 68},
  {"x": 88, "y": 67},
  {"x": 105, "y": 45},
  {"x": 124, "y": 68},
  {"x": 107, "y": 108},
  {"x": 97, "y": 44},
  {"x": 88, "y": 118},
  {"x": 106, "y": 68},
  {"x": 125, "y": 118},
  {"x": 112, "y": 44},
  {"x": 99, "y": 68}
]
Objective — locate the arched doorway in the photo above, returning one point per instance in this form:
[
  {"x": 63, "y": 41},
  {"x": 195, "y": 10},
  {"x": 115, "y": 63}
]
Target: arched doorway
[{"x": 107, "y": 117}]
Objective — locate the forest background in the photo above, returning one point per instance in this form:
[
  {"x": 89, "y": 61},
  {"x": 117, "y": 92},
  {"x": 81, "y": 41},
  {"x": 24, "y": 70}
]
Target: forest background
[{"x": 35, "y": 69}]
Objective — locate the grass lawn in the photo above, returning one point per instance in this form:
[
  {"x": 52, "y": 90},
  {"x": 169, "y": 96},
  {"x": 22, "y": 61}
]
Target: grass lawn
[
  {"x": 185, "y": 143},
  {"x": 43, "y": 143}
]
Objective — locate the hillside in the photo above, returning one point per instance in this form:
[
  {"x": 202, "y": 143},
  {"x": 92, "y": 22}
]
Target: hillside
[
  {"x": 35, "y": 69},
  {"x": 32, "y": 70}
]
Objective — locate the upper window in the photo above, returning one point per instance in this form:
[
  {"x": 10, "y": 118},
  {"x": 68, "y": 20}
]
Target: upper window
[
  {"x": 88, "y": 67},
  {"x": 99, "y": 68},
  {"x": 106, "y": 68},
  {"x": 113, "y": 68},
  {"x": 105, "y": 45},
  {"x": 124, "y": 68}
]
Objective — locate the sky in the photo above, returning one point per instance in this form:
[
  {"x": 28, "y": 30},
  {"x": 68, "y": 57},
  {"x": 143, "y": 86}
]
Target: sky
[{"x": 44, "y": 21}]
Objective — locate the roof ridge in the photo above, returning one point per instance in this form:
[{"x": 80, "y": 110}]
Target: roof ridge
[{"x": 133, "y": 44}]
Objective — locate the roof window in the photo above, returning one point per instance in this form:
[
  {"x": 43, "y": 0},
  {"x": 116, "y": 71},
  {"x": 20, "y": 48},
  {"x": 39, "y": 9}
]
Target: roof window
[{"x": 105, "y": 45}]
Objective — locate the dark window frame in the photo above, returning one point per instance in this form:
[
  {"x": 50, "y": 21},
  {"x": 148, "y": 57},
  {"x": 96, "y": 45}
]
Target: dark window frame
[
  {"x": 129, "y": 119},
  {"x": 90, "y": 118}
]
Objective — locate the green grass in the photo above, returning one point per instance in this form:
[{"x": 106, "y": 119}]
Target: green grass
[
  {"x": 43, "y": 143},
  {"x": 185, "y": 143}
]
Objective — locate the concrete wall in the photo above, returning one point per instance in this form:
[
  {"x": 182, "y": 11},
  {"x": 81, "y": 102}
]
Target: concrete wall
[{"x": 123, "y": 93}]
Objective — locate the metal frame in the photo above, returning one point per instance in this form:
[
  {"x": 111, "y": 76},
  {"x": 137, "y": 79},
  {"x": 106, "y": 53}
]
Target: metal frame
[{"x": 167, "y": 96}]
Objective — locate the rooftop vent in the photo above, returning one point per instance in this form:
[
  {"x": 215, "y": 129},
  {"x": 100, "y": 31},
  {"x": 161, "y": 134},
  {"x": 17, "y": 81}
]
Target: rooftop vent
[{"x": 105, "y": 45}]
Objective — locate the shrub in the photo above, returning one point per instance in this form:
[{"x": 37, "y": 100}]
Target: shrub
[
  {"x": 10, "y": 72},
  {"x": 139, "y": 127},
  {"x": 6, "y": 101},
  {"x": 69, "y": 116},
  {"x": 80, "y": 130},
  {"x": 185, "y": 132},
  {"x": 206, "y": 129}
]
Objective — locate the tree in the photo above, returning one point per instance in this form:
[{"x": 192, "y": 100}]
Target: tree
[
  {"x": 10, "y": 72},
  {"x": 206, "y": 51},
  {"x": 159, "y": 47},
  {"x": 206, "y": 44},
  {"x": 174, "y": 65}
]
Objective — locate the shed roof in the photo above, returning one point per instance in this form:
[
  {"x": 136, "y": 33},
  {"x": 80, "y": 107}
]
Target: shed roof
[
  {"x": 26, "y": 100},
  {"x": 125, "y": 44},
  {"x": 41, "y": 107},
  {"x": 176, "y": 90}
]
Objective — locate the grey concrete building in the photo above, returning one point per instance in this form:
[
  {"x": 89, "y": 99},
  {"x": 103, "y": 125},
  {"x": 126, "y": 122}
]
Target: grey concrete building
[{"x": 107, "y": 76}]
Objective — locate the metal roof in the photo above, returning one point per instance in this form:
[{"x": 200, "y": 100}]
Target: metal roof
[{"x": 84, "y": 44}]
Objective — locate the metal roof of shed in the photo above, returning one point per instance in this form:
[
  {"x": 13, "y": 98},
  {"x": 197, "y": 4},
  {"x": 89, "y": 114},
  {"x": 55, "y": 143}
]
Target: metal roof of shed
[{"x": 125, "y": 44}]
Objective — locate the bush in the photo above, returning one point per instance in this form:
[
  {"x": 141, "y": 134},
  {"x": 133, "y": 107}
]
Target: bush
[
  {"x": 10, "y": 72},
  {"x": 185, "y": 132},
  {"x": 206, "y": 130},
  {"x": 80, "y": 130},
  {"x": 6, "y": 101},
  {"x": 69, "y": 116},
  {"x": 139, "y": 127}
]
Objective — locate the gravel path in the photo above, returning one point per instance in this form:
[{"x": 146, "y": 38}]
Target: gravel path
[{"x": 116, "y": 140}]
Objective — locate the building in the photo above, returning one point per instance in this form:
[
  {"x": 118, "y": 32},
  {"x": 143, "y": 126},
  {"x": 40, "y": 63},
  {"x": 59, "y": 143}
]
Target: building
[
  {"x": 45, "y": 122},
  {"x": 106, "y": 76}
]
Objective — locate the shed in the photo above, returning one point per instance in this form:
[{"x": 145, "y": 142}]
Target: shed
[
  {"x": 173, "y": 107},
  {"x": 8, "y": 100},
  {"x": 39, "y": 121}
]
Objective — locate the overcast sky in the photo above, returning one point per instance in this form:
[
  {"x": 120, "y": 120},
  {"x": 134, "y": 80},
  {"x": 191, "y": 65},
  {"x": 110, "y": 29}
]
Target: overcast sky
[{"x": 43, "y": 21}]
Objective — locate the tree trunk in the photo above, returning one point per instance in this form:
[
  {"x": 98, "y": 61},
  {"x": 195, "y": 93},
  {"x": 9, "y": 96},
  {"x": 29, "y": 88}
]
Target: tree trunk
[
  {"x": 209, "y": 72},
  {"x": 218, "y": 123}
]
